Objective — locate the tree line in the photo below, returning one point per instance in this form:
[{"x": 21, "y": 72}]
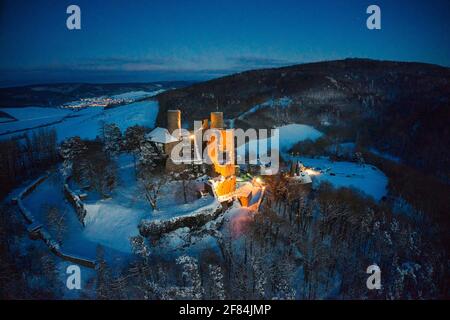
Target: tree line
[
  {"x": 303, "y": 244},
  {"x": 25, "y": 156}
]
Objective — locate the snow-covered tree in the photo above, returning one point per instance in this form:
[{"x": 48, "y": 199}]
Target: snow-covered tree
[
  {"x": 192, "y": 286},
  {"x": 120, "y": 287},
  {"x": 217, "y": 289},
  {"x": 112, "y": 139},
  {"x": 134, "y": 136},
  {"x": 71, "y": 151},
  {"x": 50, "y": 274},
  {"x": 148, "y": 157},
  {"x": 259, "y": 279},
  {"x": 133, "y": 140},
  {"x": 56, "y": 221},
  {"x": 151, "y": 187},
  {"x": 92, "y": 166},
  {"x": 103, "y": 277},
  {"x": 139, "y": 247}
]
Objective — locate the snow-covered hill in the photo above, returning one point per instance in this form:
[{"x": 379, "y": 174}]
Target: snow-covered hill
[
  {"x": 84, "y": 123},
  {"x": 365, "y": 178},
  {"x": 31, "y": 117},
  {"x": 289, "y": 135}
]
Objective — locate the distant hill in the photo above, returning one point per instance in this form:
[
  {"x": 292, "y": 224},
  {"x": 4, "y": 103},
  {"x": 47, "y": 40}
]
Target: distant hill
[
  {"x": 56, "y": 94},
  {"x": 396, "y": 107}
]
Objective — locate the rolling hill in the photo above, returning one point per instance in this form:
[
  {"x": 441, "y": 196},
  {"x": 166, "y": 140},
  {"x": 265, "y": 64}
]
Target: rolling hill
[
  {"x": 399, "y": 108},
  {"x": 51, "y": 95}
]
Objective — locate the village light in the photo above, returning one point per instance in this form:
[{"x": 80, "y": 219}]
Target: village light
[{"x": 312, "y": 172}]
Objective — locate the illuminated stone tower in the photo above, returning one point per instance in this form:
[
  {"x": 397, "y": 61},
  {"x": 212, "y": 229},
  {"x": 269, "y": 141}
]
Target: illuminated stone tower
[
  {"x": 226, "y": 148},
  {"x": 173, "y": 123}
]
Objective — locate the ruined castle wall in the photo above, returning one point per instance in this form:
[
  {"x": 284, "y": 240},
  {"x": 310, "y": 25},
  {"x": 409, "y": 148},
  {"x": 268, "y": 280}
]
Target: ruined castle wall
[{"x": 173, "y": 123}]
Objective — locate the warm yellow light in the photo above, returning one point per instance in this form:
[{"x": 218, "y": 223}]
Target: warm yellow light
[
  {"x": 192, "y": 136},
  {"x": 312, "y": 172},
  {"x": 258, "y": 180}
]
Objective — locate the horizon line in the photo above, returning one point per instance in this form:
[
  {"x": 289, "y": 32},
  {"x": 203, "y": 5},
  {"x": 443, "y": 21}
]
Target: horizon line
[{"x": 214, "y": 73}]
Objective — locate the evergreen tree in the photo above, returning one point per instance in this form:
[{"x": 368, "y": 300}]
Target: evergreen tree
[
  {"x": 103, "y": 277},
  {"x": 112, "y": 139}
]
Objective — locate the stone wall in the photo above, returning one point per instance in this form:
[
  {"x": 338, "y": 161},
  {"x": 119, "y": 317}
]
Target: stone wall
[
  {"x": 75, "y": 201},
  {"x": 37, "y": 231},
  {"x": 156, "y": 229}
]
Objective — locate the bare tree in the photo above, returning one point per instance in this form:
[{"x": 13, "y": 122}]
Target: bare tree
[
  {"x": 56, "y": 221},
  {"x": 151, "y": 186}
]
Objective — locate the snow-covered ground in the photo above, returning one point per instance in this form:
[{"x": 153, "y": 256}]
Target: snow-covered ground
[
  {"x": 292, "y": 133},
  {"x": 113, "y": 221},
  {"x": 108, "y": 222},
  {"x": 5, "y": 119},
  {"x": 112, "y": 224},
  {"x": 271, "y": 103},
  {"x": 30, "y": 113},
  {"x": 84, "y": 123},
  {"x": 365, "y": 178},
  {"x": 289, "y": 135},
  {"x": 31, "y": 117},
  {"x": 75, "y": 240},
  {"x": 136, "y": 95}
]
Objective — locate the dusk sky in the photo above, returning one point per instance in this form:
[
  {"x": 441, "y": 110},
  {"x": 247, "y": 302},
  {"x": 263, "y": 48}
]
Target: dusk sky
[{"x": 136, "y": 40}]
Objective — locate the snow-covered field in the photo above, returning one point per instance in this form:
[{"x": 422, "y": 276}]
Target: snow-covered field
[
  {"x": 4, "y": 119},
  {"x": 31, "y": 117},
  {"x": 112, "y": 222},
  {"x": 366, "y": 178},
  {"x": 136, "y": 95},
  {"x": 49, "y": 193},
  {"x": 289, "y": 135},
  {"x": 30, "y": 113},
  {"x": 109, "y": 223},
  {"x": 292, "y": 133},
  {"x": 84, "y": 123}
]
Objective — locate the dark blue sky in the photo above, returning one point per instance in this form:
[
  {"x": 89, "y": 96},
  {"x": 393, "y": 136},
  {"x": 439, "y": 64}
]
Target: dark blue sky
[{"x": 137, "y": 40}]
